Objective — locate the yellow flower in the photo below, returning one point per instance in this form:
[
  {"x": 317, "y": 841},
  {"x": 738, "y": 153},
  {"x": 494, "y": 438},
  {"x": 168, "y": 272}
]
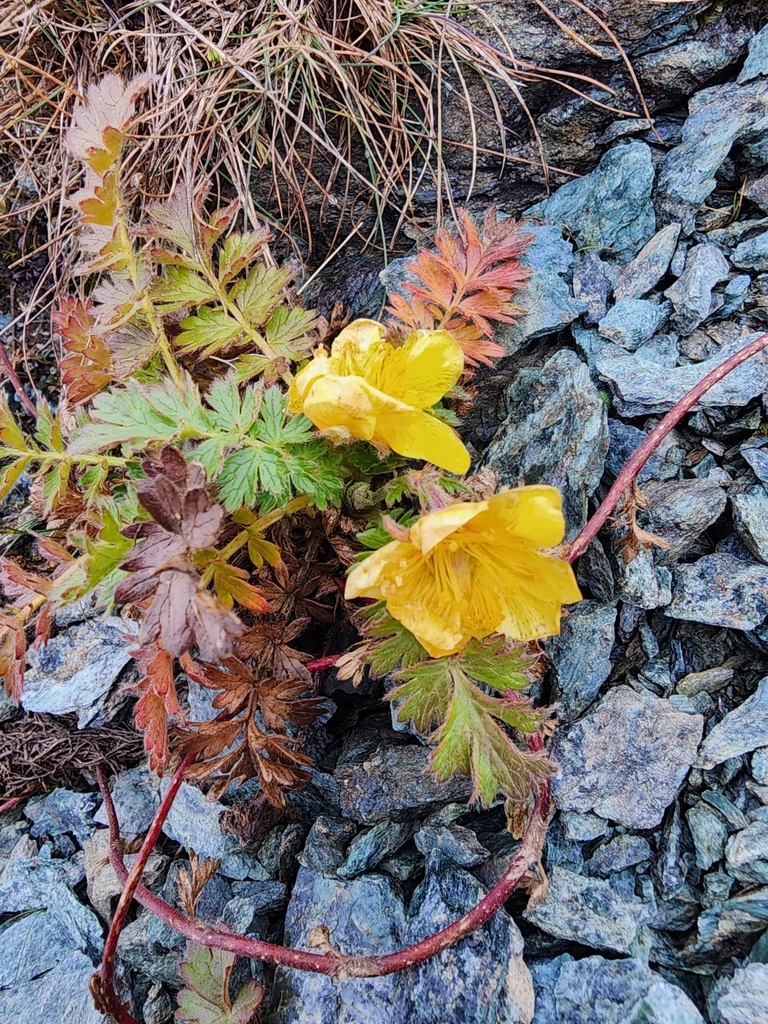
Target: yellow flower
[
  {"x": 370, "y": 390},
  {"x": 473, "y": 569}
]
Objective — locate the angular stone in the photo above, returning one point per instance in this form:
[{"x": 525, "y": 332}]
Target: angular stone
[
  {"x": 691, "y": 294},
  {"x": 63, "y": 811},
  {"x": 642, "y": 387},
  {"x": 681, "y": 510},
  {"x": 364, "y": 916},
  {"x": 546, "y": 300},
  {"x": 758, "y": 460},
  {"x": 721, "y": 590},
  {"x": 599, "y": 991},
  {"x": 592, "y": 284},
  {"x": 626, "y": 759},
  {"x": 458, "y": 844},
  {"x": 649, "y": 266},
  {"x": 718, "y": 118},
  {"x": 581, "y": 656},
  {"x": 756, "y": 64},
  {"x": 640, "y": 582},
  {"x": 556, "y": 433},
  {"x": 609, "y": 208},
  {"x": 632, "y": 322},
  {"x": 732, "y": 926},
  {"x": 76, "y": 670},
  {"x": 193, "y": 821},
  {"x": 587, "y": 911},
  {"x": 747, "y": 853},
  {"x": 324, "y": 848},
  {"x": 664, "y": 464},
  {"x": 741, "y": 731},
  {"x": 103, "y": 883},
  {"x": 480, "y": 979},
  {"x": 394, "y": 782},
  {"x": 27, "y": 884},
  {"x": 752, "y": 254},
  {"x": 618, "y": 854},
  {"x": 136, "y": 796},
  {"x": 742, "y": 999},
  {"x": 709, "y": 835},
  {"x": 709, "y": 681},
  {"x": 60, "y": 996},
  {"x": 369, "y": 848},
  {"x": 582, "y": 827},
  {"x": 750, "y": 517}
]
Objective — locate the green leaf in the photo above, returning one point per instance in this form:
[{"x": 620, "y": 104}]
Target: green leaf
[
  {"x": 10, "y": 433},
  {"x": 395, "y": 645},
  {"x": 258, "y": 294},
  {"x": 180, "y": 287},
  {"x": 48, "y": 428},
  {"x": 205, "y": 998},
  {"x": 10, "y": 474},
  {"x": 375, "y": 535},
  {"x": 367, "y": 460},
  {"x": 209, "y": 331},
  {"x": 482, "y": 661},
  {"x": 273, "y": 473},
  {"x": 235, "y": 414},
  {"x": 142, "y": 414},
  {"x": 287, "y": 331},
  {"x": 210, "y": 454},
  {"x": 315, "y": 470},
  {"x": 101, "y": 559},
  {"x": 238, "y": 477},
  {"x": 239, "y": 251},
  {"x": 249, "y": 365},
  {"x": 426, "y": 696},
  {"x": 55, "y": 482}
]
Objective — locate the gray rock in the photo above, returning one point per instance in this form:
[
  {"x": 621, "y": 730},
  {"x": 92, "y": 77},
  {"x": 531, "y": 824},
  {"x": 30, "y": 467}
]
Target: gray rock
[
  {"x": 649, "y": 266},
  {"x": 741, "y": 731},
  {"x": 640, "y": 582},
  {"x": 669, "y": 869},
  {"x": 618, "y": 854},
  {"x": 369, "y": 848},
  {"x": 76, "y": 670},
  {"x": 718, "y": 118},
  {"x": 364, "y": 915},
  {"x": 556, "y": 433},
  {"x": 691, "y": 294},
  {"x": 324, "y": 848},
  {"x": 264, "y": 897},
  {"x": 756, "y": 63},
  {"x": 103, "y": 883},
  {"x": 588, "y": 911},
  {"x": 734, "y": 294},
  {"x": 664, "y": 464},
  {"x": 757, "y": 458},
  {"x": 582, "y": 827},
  {"x": 136, "y": 796},
  {"x": 581, "y": 656},
  {"x": 626, "y": 759},
  {"x": 709, "y": 681},
  {"x": 394, "y": 782},
  {"x": 642, "y": 387},
  {"x": 747, "y": 853},
  {"x": 592, "y": 280},
  {"x": 752, "y": 254},
  {"x": 60, "y": 996},
  {"x": 681, "y": 510},
  {"x": 631, "y": 322},
  {"x": 546, "y": 300},
  {"x": 458, "y": 844},
  {"x": 731, "y": 925},
  {"x": 609, "y": 208},
  {"x": 759, "y": 765},
  {"x": 193, "y": 821},
  {"x": 63, "y": 811},
  {"x": 720, "y": 590},
  {"x": 481, "y": 979},
  {"x": 599, "y": 991},
  {"x": 27, "y": 883},
  {"x": 709, "y": 835},
  {"x": 742, "y": 999},
  {"x": 757, "y": 191},
  {"x": 750, "y": 517}
]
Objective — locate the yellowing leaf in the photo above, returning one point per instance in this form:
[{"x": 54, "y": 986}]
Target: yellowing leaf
[
  {"x": 231, "y": 584},
  {"x": 205, "y": 998},
  {"x": 209, "y": 331},
  {"x": 239, "y": 251},
  {"x": 181, "y": 287}
]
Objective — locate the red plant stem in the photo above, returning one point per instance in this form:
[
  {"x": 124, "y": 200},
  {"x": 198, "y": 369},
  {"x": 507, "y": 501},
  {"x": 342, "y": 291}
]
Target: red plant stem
[
  {"x": 13, "y": 377},
  {"x": 645, "y": 450},
  {"x": 321, "y": 664},
  {"x": 335, "y": 966},
  {"x": 131, "y": 881},
  {"x": 10, "y": 804}
]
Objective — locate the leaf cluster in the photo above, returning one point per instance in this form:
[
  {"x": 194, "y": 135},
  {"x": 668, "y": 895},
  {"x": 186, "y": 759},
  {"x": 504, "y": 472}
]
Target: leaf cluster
[
  {"x": 468, "y": 283},
  {"x": 205, "y": 997}
]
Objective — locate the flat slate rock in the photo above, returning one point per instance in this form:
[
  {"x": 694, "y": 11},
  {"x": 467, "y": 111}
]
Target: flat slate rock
[
  {"x": 632, "y": 322},
  {"x": 742, "y": 999},
  {"x": 741, "y": 731},
  {"x": 611, "y": 207},
  {"x": 556, "y": 433},
  {"x": 721, "y": 590},
  {"x": 626, "y": 759},
  {"x": 641, "y": 386},
  {"x": 599, "y": 991},
  {"x": 588, "y": 911},
  {"x": 649, "y": 266},
  {"x": 691, "y": 294},
  {"x": 581, "y": 656},
  {"x": 61, "y": 996}
]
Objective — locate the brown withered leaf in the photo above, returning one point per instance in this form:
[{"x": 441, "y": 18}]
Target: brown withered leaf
[
  {"x": 267, "y": 645},
  {"x": 181, "y": 612},
  {"x": 636, "y": 537},
  {"x": 157, "y": 701},
  {"x": 192, "y": 882},
  {"x": 13, "y": 649}
]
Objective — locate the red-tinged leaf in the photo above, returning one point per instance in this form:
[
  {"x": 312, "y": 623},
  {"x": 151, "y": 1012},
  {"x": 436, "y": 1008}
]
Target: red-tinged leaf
[
  {"x": 99, "y": 204},
  {"x": 97, "y": 132},
  {"x": 205, "y": 998},
  {"x": 239, "y": 251},
  {"x": 13, "y": 649},
  {"x": 230, "y": 584},
  {"x": 22, "y": 588},
  {"x": 176, "y": 220},
  {"x": 157, "y": 701}
]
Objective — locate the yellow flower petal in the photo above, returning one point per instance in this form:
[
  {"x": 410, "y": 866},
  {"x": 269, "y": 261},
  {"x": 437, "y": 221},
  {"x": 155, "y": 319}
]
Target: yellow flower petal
[
  {"x": 357, "y": 347},
  {"x": 365, "y": 579},
  {"x": 423, "y": 370},
  {"x": 317, "y": 367},
  {"x": 533, "y": 607},
  {"x": 531, "y": 513},
  {"x": 432, "y": 529},
  {"x": 420, "y": 435},
  {"x": 341, "y": 402},
  {"x": 435, "y": 635}
]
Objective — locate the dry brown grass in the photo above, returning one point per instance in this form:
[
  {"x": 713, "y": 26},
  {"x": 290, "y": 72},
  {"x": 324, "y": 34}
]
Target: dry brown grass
[{"x": 312, "y": 111}]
